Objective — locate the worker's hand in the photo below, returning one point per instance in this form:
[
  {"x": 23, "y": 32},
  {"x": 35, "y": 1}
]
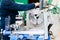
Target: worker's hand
[{"x": 37, "y": 4}]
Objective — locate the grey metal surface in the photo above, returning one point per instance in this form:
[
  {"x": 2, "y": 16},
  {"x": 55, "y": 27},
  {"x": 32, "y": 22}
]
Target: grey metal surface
[{"x": 41, "y": 4}]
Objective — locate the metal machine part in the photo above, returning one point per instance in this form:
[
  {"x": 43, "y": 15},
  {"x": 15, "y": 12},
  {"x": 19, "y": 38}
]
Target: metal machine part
[
  {"x": 19, "y": 20},
  {"x": 1, "y": 33},
  {"x": 27, "y": 37},
  {"x": 18, "y": 24},
  {"x": 39, "y": 19},
  {"x": 15, "y": 27},
  {"x": 36, "y": 16},
  {"x": 7, "y": 23},
  {"x": 41, "y": 4}
]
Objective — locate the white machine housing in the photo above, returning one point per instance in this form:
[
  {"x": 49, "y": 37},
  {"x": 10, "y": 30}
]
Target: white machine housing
[{"x": 40, "y": 23}]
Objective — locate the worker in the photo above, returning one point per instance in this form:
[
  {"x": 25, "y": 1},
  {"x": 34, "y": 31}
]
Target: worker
[{"x": 9, "y": 7}]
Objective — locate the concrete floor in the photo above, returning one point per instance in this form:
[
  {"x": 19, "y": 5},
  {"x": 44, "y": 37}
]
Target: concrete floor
[
  {"x": 56, "y": 27},
  {"x": 56, "y": 19}
]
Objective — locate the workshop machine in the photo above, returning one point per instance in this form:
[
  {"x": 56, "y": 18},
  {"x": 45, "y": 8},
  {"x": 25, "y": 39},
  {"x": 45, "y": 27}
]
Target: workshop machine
[{"x": 36, "y": 28}]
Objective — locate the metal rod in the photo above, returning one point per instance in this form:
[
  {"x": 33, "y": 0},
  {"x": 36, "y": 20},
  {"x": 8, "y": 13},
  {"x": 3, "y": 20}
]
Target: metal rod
[{"x": 41, "y": 4}]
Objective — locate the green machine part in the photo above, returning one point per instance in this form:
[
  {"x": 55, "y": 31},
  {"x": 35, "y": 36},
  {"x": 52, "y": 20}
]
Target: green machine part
[
  {"x": 23, "y": 13},
  {"x": 50, "y": 1},
  {"x": 56, "y": 9},
  {"x": 22, "y": 1}
]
